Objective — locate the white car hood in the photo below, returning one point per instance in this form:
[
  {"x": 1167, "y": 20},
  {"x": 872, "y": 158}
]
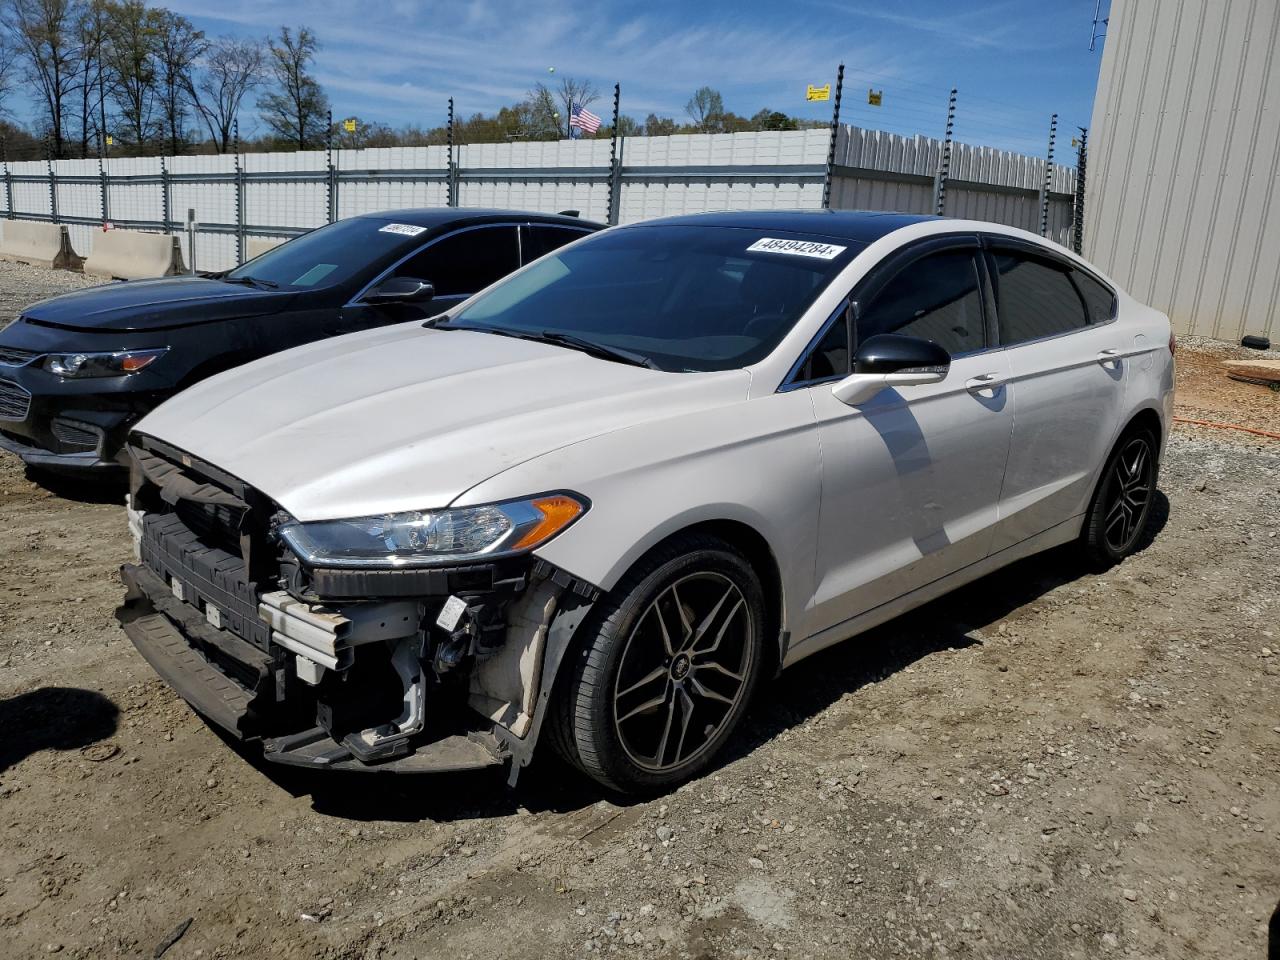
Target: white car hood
[{"x": 406, "y": 418}]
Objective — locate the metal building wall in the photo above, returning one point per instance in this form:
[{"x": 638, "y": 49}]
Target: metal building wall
[{"x": 1183, "y": 187}]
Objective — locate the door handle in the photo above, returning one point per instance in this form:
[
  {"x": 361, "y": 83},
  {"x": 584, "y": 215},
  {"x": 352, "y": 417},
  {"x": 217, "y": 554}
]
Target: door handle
[
  {"x": 984, "y": 381},
  {"x": 1111, "y": 355}
]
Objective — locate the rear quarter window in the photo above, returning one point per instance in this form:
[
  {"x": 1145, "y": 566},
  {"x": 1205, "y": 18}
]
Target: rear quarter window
[{"x": 1099, "y": 299}]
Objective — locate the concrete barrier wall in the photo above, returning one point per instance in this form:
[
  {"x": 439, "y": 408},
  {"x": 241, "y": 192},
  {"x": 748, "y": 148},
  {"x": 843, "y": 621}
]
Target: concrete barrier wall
[
  {"x": 40, "y": 244},
  {"x": 129, "y": 255},
  {"x": 257, "y": 246}
]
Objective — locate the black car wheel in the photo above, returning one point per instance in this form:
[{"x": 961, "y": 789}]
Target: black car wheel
[
  {"x": 1122, "y": 502},
  {"x": 667, "y": 667}
]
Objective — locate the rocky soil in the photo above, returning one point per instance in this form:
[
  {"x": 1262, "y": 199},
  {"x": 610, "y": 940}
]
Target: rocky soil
[{"x": 1049, "y": 763}]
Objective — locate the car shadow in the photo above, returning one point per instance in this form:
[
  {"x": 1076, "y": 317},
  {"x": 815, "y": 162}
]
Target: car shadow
[
  {"x": 800, "y": 693},
  {"x": 951, "y": 622},
  {"x": 106, "y": 487},
  {"x": 53, "y": 718}
]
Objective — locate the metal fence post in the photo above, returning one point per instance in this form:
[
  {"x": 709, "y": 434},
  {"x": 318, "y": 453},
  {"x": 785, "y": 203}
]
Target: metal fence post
[
  {"x": 332, "y": 181},
  {"x": 240, "y": 251},
  {"x": 615, "y": 168},
  {"x": 102, "y": 191},
  {"x": 8, "y": 180},
  {"x": 944, "y": 166},
  {"x": 451, "y": 199},
  {"x": 166, "y": 198},
  {"x": 1048, "y": 177},
  {"x": 53, "y": 191},
  {"x": 831, "y": 147},
  {"x": 1077, "y": 218}
]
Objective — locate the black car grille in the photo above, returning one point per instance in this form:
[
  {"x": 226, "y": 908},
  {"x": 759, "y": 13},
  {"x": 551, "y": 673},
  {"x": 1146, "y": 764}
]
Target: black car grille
[
  {"x": 16, "y": 358},
  {"x": 215, "y": 524},
  {"x": 15, "y": 402},
  {"x": 73, "y": 437}
]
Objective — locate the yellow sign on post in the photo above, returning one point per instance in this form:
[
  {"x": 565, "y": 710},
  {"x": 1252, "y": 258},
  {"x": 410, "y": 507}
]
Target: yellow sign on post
[
  {"x": 349, "y": 126},
  {"x": 874, "y": 97},
  {"x": 110, "y": 140},
  {"x": 818, "y": 93}
]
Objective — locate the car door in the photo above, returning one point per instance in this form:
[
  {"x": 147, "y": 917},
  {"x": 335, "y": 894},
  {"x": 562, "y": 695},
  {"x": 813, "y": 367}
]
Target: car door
[
  {"x": 1068, "y": 364},
  {"x": 911, "y": 479}
]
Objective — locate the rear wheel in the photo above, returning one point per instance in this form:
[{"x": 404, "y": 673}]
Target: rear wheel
[
  {"x": 667, "y": 667},
  {"x": 1122, "y": 502}
]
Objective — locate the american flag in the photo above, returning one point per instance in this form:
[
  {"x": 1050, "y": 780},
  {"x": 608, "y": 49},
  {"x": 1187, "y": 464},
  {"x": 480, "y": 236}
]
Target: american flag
[{"x": 584, "y": 120}]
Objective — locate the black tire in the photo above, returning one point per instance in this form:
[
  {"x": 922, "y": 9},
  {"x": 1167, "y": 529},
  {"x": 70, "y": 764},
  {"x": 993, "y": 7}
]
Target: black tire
[
  {"x": 1121, "y": 507},
  {"x": 596, "y": 726}
]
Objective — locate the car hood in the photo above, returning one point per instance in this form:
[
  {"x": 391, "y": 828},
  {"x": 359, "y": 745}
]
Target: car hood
[
  {"x": 406, "y": 418},
  {"x": 155, "y": 304}
]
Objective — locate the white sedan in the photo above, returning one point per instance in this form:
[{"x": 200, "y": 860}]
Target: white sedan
[{"x": 613, "y": 495}]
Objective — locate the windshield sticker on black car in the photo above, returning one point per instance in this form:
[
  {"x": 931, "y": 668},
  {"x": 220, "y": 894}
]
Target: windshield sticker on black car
[
  {"x": 797, "y": 248},
  {"x": 404, "y": 229}
]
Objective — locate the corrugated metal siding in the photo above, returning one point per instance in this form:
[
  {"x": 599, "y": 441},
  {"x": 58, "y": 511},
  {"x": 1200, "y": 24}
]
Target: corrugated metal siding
[{"x": 1184, "y": 162}]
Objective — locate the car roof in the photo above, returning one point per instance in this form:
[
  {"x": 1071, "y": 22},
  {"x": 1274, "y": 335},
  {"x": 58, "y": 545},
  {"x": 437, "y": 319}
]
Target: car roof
[
  {"x": 861, "y": 226},
  {"x": 433, "y": 217}
]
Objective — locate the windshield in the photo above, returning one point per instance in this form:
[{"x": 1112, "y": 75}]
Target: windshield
[
  {"x": 685, "y": 297},
  {"x": 331, "y": 254}
]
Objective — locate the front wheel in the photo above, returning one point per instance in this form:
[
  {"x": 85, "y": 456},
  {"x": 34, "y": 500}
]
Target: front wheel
[
  {"x": 1121, "y": 504},
  {"x": 668, "y": 664}
]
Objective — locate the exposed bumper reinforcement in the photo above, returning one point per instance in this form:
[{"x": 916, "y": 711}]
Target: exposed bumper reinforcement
[{"x": 316, "y": 749}]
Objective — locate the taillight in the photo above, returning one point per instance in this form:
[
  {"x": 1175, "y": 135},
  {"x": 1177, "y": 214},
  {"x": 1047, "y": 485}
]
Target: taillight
[{"x": 1173, "y": 343}]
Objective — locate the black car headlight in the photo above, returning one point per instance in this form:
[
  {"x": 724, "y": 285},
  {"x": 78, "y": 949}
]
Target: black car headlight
[
  {"x": 118, "y": 363},
  {"x": 423, "y": 538}
]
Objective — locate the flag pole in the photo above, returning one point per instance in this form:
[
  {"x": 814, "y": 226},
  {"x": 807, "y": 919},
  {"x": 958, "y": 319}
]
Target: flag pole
[{"x": 831, "y": 149}]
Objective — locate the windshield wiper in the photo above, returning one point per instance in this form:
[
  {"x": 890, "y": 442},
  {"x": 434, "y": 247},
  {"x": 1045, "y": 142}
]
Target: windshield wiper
[
  {"x": 253, "y": 282},
  {"x": 602, "y": 350}
]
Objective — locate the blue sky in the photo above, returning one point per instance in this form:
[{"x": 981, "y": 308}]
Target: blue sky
[{"x": 1014, "y": 61}]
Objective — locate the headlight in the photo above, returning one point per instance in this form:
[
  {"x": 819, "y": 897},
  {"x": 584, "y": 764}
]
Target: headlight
[
  {"x": 423, "y": 538},
  {"x": 118, "y": 364}
]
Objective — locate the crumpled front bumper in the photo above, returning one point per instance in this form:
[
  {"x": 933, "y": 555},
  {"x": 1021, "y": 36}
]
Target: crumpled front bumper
[{"x": 236, "y": 686}]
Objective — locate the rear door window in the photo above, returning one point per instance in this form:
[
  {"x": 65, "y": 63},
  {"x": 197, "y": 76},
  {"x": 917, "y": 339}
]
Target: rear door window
[
  {"x": 540, "y": 239},
  {"x": 1098, "y": 298},
  {"x": 462, "y": 263},
  {"x": 1035, "y": 298},
  {"x": 938, "y": 298}
]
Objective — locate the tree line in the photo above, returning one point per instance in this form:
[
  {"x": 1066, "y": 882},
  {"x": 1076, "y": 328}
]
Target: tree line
[{"x": 124, "y": 77}]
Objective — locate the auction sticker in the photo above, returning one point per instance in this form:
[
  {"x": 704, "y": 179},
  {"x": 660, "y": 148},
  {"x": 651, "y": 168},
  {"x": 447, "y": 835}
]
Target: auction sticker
[
  {"x": 404, "y": 229},
  {"x": 797, "y": 248}
]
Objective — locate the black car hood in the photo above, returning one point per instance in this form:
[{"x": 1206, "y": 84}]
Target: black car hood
[{"x": 156, "y": 304}]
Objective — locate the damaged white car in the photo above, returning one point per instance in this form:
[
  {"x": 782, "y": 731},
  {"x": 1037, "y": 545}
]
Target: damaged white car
[{"x": 609, "y": 497}]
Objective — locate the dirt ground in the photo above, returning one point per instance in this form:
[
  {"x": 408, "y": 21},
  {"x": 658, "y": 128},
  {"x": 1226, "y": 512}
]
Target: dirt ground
[{"x": 1048, "y": 763}]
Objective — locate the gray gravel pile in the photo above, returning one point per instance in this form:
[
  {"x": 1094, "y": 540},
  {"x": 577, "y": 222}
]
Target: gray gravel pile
[{"x": 22, "y": 285}]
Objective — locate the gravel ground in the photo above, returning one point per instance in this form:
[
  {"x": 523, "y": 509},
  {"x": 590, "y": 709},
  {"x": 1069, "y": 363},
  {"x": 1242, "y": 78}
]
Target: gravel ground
[
  {"x": 21, "y": 285},
  {"x": 1048, "y": 763}
]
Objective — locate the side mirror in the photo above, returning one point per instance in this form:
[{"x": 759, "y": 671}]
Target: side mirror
[
  {"x": 401, "y": 290},
  {"x": 889, "y": 360}
]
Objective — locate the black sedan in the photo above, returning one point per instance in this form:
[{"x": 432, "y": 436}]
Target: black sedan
[{"x": 77, "y": 371}]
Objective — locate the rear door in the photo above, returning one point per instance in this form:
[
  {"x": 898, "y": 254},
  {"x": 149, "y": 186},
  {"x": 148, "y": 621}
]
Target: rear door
[
  {"x": 1067, "y": 360},
  {"x": 911, "y": 479},
  {"x": 462, "y": 263}
]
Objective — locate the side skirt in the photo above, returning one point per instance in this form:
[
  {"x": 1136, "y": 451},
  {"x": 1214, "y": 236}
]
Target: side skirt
[{"x": 1055, "y": 536}]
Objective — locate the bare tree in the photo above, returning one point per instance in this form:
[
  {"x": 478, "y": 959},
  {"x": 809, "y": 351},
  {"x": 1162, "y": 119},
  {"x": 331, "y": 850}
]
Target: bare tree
[
  {"x": 575, "y": 93},
  {"x": 706, "y": 109},
  {"x": 91, "y": 85},
  {"x": 178, "y": 46},
  {"x": 43, "y": 32},
  {"x": 296, "y": 109},
  {"x": 8, "y": 57},
  {"x": 230, "y": 68},
  {"x": 133, "y": 58}
]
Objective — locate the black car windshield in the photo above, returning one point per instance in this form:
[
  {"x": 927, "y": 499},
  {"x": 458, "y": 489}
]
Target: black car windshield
[
  {"x": 331, "y": 254},
  {"x": 685, "y": 297}
]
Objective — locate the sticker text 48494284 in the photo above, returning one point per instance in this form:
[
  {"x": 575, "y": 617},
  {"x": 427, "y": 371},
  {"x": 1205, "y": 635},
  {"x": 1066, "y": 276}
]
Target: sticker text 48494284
[{"x": 797, "y": 248}]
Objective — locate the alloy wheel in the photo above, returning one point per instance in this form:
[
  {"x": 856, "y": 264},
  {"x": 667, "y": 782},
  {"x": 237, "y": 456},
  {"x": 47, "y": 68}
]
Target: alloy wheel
[
  {"x": 683, "y": 671},
  {"x": 1130, "y": 495}
]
